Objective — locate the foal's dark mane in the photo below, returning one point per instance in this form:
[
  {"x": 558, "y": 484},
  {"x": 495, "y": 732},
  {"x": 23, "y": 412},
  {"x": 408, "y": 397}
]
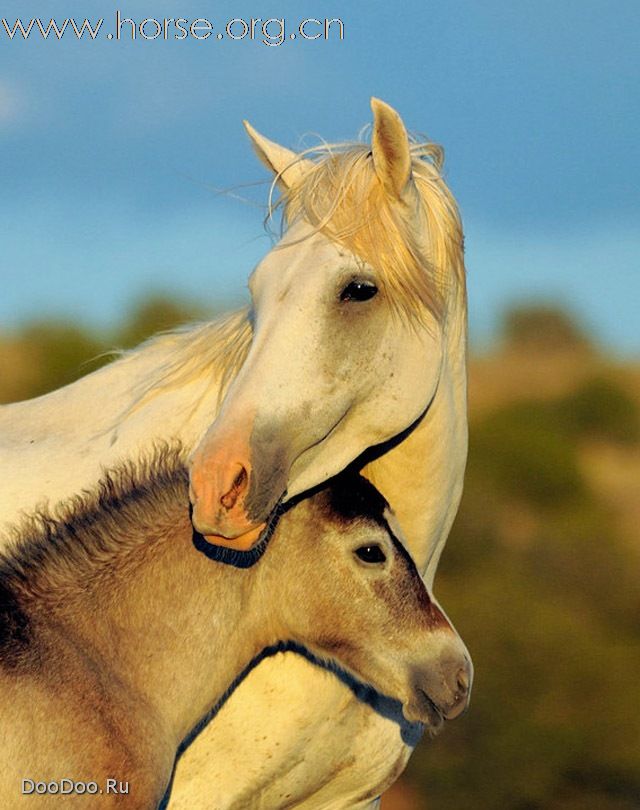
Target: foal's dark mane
[
  {"x": 50, "y": 551},
  {"x": 89, "y": 529}
]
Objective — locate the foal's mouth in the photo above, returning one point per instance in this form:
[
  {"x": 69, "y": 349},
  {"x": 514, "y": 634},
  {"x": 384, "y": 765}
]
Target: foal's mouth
[{"x": 423, "y": 709}]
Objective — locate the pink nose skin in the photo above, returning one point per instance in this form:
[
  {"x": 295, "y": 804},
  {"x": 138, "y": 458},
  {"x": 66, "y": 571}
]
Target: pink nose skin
[{"x": 219, "y": 484}]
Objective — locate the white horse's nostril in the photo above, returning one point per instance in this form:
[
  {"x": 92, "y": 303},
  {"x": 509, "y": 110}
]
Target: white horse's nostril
[{"x": 239, "y": 485}]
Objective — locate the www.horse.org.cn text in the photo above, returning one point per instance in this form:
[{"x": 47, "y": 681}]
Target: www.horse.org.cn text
[{"x": 273, "y": 31}]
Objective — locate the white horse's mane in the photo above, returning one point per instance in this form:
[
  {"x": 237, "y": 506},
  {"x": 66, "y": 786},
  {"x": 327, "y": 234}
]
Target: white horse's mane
[{"x": 214, "y": 350}]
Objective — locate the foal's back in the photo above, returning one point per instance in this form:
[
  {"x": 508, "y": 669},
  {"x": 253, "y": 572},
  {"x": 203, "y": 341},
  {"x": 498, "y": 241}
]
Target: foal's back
[{"x": 63, "y": 735}]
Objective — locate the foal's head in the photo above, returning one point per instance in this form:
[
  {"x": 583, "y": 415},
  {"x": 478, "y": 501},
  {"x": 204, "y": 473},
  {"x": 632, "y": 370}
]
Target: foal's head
[{"x": 341, "y": 583}]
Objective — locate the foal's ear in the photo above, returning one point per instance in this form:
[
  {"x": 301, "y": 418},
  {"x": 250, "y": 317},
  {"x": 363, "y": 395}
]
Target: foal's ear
[
  {"x": 390, "y": 149},
  {"x": 288, "y": 168}
]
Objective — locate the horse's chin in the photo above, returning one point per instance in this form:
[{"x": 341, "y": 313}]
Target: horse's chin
[
  {"x": 242, "y": 542},
  {"x": 235, "y": 530}
]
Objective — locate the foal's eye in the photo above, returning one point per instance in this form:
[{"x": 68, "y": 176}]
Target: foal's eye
[
  {"x": 358, "y": 291},
  {"x": 371, "y": 554}
]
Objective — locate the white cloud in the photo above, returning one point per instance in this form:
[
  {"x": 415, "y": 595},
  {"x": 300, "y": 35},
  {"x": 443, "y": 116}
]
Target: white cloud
[{"x": 11, "y": 104}]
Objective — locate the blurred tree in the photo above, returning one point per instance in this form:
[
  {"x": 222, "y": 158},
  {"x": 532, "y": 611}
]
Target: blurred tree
[
  {"x": 57, "y": 354},
  {"x": 555, "y": 704},
  {"x": 601, "y": 409},
  {"x": 524, "y": 451},
  {"x": 542, "y": 327},
  {"x": 46, "y": 355},
  {"x": 157, "y": 313}
]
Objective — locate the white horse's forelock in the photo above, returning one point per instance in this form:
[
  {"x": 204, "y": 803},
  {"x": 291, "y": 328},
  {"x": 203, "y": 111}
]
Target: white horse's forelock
[{"x": 339, "y": 194}]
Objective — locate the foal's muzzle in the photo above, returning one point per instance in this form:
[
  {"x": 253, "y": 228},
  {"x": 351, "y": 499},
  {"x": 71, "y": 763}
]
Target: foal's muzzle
[{"x": 441, "y": 686}]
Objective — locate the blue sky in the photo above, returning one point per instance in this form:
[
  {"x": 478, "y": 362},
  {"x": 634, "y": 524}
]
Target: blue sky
[{"x": 111, "y": 151}]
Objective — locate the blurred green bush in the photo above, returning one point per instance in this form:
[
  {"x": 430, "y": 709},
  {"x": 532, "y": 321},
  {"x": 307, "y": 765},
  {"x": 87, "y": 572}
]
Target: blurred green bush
[
  {"x": 46, "y": 355},
  {"x": 546, "y": 594}
]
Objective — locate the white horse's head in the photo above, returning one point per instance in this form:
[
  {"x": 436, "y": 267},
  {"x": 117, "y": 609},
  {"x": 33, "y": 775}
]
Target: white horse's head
[{"x": 349, "y": 318}]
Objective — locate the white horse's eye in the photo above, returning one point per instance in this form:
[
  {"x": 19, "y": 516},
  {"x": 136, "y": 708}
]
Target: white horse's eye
[
  {"x": 358, "y": 291},
  {"x": 372, "y": 555}
]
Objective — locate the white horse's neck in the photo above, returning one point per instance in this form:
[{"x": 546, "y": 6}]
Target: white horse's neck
[
  {"x": 422, "y": 477},
  {"x": 58, "y": 445}
]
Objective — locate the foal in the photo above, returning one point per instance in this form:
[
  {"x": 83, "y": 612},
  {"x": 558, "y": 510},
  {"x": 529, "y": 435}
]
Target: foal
[{"x": 120, "y": 628}]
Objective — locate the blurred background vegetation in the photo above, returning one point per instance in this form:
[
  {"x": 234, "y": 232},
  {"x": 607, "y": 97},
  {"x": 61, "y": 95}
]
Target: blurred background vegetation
[{"x": 540, "y": 574}]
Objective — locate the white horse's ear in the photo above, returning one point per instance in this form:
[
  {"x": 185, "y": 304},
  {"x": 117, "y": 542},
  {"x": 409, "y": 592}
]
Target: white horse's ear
[
  {"x": 390, "y": 149},
  {"x": 284, "y": 163}
]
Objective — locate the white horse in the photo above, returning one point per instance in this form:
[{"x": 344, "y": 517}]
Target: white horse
[{"x": 356, "y": 338}]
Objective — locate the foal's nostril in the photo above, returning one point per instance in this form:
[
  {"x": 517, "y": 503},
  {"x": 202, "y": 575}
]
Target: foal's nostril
[
  {"x": 463, "y": 681},
  {"x": 461, "y": 694}
]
